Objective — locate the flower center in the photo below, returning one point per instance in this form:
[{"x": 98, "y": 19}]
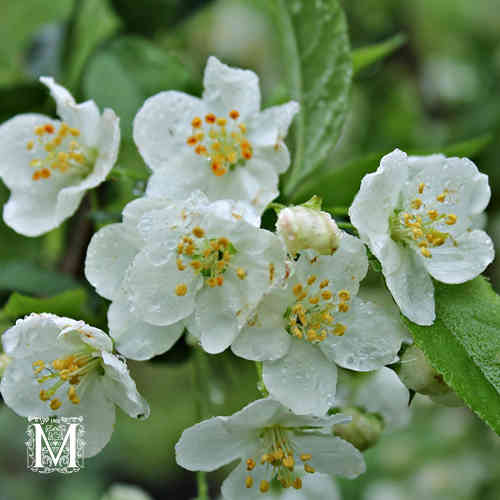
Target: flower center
[
  {"x": 313, "y": 316},
  {"x": 223, "y": 142},
  {"x": 69, "y": 371},
  {"x": 421, "y": 223},
  {"x": 210, "y": 257},
  {"x": 59, "y": 151},
  {"x": 280, "y": 459}
]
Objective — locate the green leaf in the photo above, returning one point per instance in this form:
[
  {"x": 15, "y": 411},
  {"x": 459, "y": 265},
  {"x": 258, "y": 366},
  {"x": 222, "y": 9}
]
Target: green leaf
[
  {"x": 23, "y": 98},
  {"x": 93, "y": 22},
  {"x": 150, "y": 16},
  {"x": 338, "y": 185},
  {"x": 133, "y": 69},
  {"x": 363, "y": 57},
  {"x": 25, "y": 276},
  {"x": 19, "y": 21},
  {"x": 71, "y": 304},
  {"x": 463, "y": 344},
  {"x": 316, "y": 49}
]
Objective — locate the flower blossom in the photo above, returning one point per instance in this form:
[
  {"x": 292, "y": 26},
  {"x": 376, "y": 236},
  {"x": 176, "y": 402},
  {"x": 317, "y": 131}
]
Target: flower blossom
[
  {"x": 172, "y": 264},
  {"x": 48, "y": 164},
  {"x": 64, "y": 367},
  {"x": 416, "y": 215},
  {"x": 274, "y": 446},
  {"x": 304, "y": 330},
  {"x": 221, "y": 144}
]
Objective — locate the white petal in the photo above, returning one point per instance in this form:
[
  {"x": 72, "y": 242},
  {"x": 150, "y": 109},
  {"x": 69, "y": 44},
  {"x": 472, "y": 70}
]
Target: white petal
[
  {"x": 260, "y": 413},
  {"x": 412, "y": 288},
  {"x": 84, "y": 116},
  {"x": 151, "y": 290},
  {"x": 234, "y": 210},
  {"x": 229, "y": 88},
  {"x": 109, "y": 254},
  {"x": 372, "y": 338},
  {"x": 120, "y": 388},
  {"x": 163, "y": 125},
  {"x": 331, "y": 455},
  {"x": 266, "y": 339},
  {"x": 377, "y": 198},
  {"x": 472, "y": 254},
  {"x": 344, "y": 269},
  {"x": 270, "y": 127},
  {"x": 304, "y": 380},
  {"x": 216, "y": 316},
  {"x": 391, "y": 400},
  {"x": 314, "y": 487},
  {"x": 137, "y": 339},
  {"x": 233, "y": 488},
  {"x": 80, "y": 332},
  {"x": 136, "y": 209},
  {"x": 15, "y": 133},
  {"x": 209, "y": 445}
]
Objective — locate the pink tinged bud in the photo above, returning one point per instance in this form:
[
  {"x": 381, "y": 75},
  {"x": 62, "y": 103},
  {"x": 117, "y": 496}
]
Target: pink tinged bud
[{"x": 306, "y": 228}]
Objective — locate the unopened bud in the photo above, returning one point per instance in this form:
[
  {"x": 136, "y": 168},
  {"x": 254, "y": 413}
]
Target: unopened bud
[
  {"x": 363, "y": 431},
  {"x": 308, "y": 228},
  {"x": 417, "y": 373},
  {"x": 4, "y": 361}
]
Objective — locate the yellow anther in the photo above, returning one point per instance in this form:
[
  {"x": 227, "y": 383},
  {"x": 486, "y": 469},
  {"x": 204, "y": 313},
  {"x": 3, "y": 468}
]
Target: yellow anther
[
  {"x": 339, "y": 330},
  {"x": 241, "y": 273},
  {"x": 425, "y": 252},
  {"x": 200, "y": 136},
  {"x": 35, "y": 163},
  {"x": 181, "y": 290},
  {"x": 344, "y": 295},
  {"x": 441, "y": 197},
  {"x": 180, "y": 265},
  {"x": 417, "y": 233},
  {"x": 243, "y": 128},
  {"x": 416, "y": 203},
  {"x": 296, "y": 332},
  {"x": 45, "y": 173},
  {"x": 326, "y": 294},
  {"x": 305, "y": 457},
  {"x": 309, "y": 469},
  {"x": 212, "y": 282},
  {"x": 180, "y": 248},
  {"x": 222, "y": 122},
  {"x": 297, "y": 483},
  {"x": 343, "y": 307},
  {"x": 271, "y": 272},
  {"x": 197, "y": 122},
  {"x": 266, "y": 458},
  {"x": 421, "y": 187},
  {"x": 297, "y": 289},
  {"x": 311, "y": 280},
  {"x": 220, "y": 280},
  {"x": 437, "y": 242},
  {"x": 324, "y": 284},
  {"x": 250, "y": 464},
  {"x": 433, "y": 214},
  {"x": 39, "y": 130},
  {"x": 423, "y": 244},
  {"x": 289, "y": 462},
  {"x": 234, "y": 114},
  {"x": 30, "y": 145},
  {"x": 198, "y": 232},
  {"x": 223, "y": 242},
  {"x": 314, "y": 300},
  {"x": 74, "y": 132},
  {"x": 44, "y": 395},
  {"x": 210, "y": 118},
  {"x": 248, "y": 482},
  {"x": 311, "y": 335},
  {"x": 55, "y": 404},
  {"x": 451, "y": 219},
  {"x": 264, "y": 486},
  {"x": 191, "y": 141},
  {"x": 326, "y": 316}
]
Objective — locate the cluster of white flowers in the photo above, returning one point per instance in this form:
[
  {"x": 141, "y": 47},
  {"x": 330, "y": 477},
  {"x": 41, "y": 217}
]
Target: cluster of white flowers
[{"x": 190, "y": 255}]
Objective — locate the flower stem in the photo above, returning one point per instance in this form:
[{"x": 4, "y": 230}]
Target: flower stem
[
  {"x": 260, "y": 383},
  {"x": 340, "y": 211},
  {"x": 198, "y": 362}
]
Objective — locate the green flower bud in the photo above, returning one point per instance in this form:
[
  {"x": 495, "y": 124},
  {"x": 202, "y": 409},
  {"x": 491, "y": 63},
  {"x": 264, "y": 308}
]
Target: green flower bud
[{"x": 363, "y": 431}]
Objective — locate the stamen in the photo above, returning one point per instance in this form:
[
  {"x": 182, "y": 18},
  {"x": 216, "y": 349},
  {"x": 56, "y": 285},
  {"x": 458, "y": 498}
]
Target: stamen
[{"x": 181, "y": 289}]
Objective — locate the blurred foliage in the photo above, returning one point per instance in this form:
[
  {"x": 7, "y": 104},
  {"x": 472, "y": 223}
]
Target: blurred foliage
[{"x": 438, "y": 89}]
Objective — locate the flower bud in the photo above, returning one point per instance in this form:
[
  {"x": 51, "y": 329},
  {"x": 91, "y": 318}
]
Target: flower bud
[
  {"x": 303, "y": 227},
  {"x": 363, "y": 431},
  {"x": 417, "y": 373}
]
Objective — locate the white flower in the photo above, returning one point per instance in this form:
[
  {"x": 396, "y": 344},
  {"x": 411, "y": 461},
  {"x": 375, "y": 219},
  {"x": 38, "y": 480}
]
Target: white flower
[
  {"x": 222, "y": 144},
  {"x": 303, "y": 227},
  {"x": 380, "y": 392},
  {"x": 416, "y": 215},
  {"x": 302, "y": 332},
  {"x": 49, "y": 164},
  {"x": 272, "y": 444},
  {"x": 175, "y": 263},
  {"x": 65, "y": 367}
]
